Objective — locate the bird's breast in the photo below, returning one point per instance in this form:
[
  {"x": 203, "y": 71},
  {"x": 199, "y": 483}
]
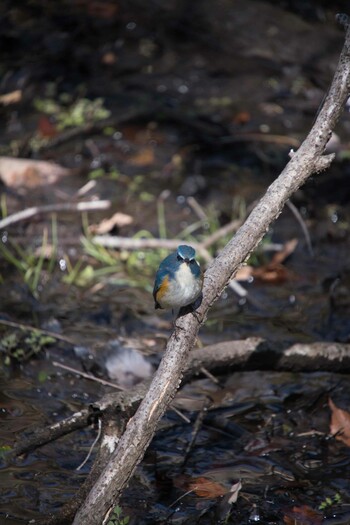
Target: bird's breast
[
  {"x": 183, "y": 289},
  {"x": 185, "y": 277}
]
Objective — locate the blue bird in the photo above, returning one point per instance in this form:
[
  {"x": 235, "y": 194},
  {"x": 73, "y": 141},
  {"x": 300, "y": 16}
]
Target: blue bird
[{"x": 179, "y": 280}]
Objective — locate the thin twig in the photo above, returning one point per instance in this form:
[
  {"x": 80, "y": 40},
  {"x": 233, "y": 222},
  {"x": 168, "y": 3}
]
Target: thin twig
[
  {"x": 196, "y": 428},
  {"x": 221, "y": 232},
  {"x": 303, "y": 226},
  {"x": 180, "y": 498},
  {"x": 87, "y": 376},
  {"x": 28, "y": 213},
  {"x": 126, "y": 243},
  {"x": 210, "y": 376},
  {"x": 197, "y": 208},
  {"x": 92, "y": 446},
  {"x": 181, "y": 415}
]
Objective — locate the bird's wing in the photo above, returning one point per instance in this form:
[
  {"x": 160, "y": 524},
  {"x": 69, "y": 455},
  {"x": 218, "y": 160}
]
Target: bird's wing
[
  {"x": 161, "y": 282},
  {"x": 158, "y": 282},
  {"x": 161, "y": 286}
]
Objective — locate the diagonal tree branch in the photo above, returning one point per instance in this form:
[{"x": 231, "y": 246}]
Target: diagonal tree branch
[{"x": 307, "y": 160}]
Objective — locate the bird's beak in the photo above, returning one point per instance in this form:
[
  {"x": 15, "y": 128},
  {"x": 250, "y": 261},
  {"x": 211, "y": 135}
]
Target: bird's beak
[{"x": 187, "y": 261}]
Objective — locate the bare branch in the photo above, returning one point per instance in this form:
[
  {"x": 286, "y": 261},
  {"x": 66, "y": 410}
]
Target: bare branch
[
  {"x": 28, "y": 213},
  {"x": 127, "y": 243},
  {"x": 256, "y": 353}
]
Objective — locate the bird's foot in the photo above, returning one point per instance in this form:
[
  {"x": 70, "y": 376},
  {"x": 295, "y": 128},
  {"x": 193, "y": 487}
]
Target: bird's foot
[
  {"x": 197, "y": 317},
  {"x": 191, "y": 309},
  {"x": 177, "y": 330}
]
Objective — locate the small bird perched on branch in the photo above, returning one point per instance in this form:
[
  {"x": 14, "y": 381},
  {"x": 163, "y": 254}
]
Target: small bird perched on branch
[{"x": 179, "y": 280}]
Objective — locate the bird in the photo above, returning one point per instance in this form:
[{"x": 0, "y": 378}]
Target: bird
[{"x": 179, "y": 280}]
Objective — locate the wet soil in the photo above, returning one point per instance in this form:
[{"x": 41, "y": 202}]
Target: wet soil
[{"x": 205, "y": 102}]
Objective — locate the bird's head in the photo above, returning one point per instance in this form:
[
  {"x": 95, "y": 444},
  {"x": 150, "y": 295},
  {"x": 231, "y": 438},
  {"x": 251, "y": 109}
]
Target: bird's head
[{"x": 185, "y": 254}]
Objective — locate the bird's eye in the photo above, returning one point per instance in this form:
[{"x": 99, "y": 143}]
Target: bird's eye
[
  {"x": 192, "y": 261},
  {"x": 179, "y": 258}
]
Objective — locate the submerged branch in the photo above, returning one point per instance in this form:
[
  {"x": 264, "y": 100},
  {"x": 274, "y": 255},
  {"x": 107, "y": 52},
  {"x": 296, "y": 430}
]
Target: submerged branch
[{"x": 253, "y": 353}]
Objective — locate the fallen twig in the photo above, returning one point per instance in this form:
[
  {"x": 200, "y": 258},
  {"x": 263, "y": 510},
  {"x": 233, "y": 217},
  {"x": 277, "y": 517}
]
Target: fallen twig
[
  {"x": 94, "y": 443},
  {"x": 81, "y": 419},
  {"x": 127, "y": 243},
  {"x": 87, "y": 376},
  {"x": 44, "y": 435},
  {"x": 28, "y": 213},
  {"x": 221, "y": 232},
  {"x": 256, "y": 353}
]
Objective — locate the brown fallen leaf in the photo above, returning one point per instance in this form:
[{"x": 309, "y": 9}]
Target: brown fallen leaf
[
  {"x": 109, "y": 58},
  {"x": 27, "y": 173},
  {"x": 104, "y": 10},
  {"x": 46, "y": 127},
  {"x": 11, "y": 98},
  {"x": 144, "y": 157},
  {"x": 106, "y": 225},
  {"x": 242, "y": 117},
  {"x": 206, "y": 488},
  {"x": 274, "y": 272},
  {"x": 244, "y": 273},
  {"x": 340, "y": 423},
  {"x": 97, "y": 9},
  {"x": 303, "y": 515},
  {"x": 287, "y": 250}
]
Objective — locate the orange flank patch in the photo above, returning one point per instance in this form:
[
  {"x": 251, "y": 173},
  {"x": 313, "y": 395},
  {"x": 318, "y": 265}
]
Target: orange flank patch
[{"x": 162, "y": 290}]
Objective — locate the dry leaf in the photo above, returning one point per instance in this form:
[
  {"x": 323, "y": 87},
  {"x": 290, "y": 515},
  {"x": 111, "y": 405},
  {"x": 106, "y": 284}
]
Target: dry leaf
[
  {"x": 144, "y": 157},
  {"x": 117, "y": 220},
  {"x": 303, "y": 515},
  {"x": 26, "y": 173},
  {"x": 288, "y": 249},
  {"x": 104, "y": 10},
  {"x": 109, "y": 58},
  {"x": 206, "y": 488},
  {"x": 340, "y": 423},
  {"x": 234, "y": 491},
  {"x": 46, "y": 127},
  {"x": 47, "y": 252},
  {"x": 11, "y": 98},
  {"x": 272, "y": 273},
  {"x": 244, "y": 273},
  {"x": 242, "y": 117}
]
